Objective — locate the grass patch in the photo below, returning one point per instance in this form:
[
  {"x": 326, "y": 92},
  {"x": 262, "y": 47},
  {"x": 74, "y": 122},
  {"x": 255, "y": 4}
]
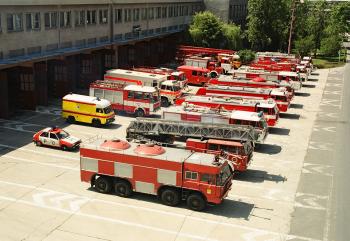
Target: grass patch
[{"x": 323, "y": 62}]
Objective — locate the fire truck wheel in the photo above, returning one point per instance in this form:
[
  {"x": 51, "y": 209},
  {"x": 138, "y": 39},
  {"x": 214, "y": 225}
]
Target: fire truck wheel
[
  {"x": 96, "y": 122},
  {"x": 196, "y": 202},
  {"x": 140, "y": 113},
  {"x": 71, "y": 119},
  {"x": 213, "y": 74},
  {"x": 170, "y": 197},
  {"x": 122, "y": 188},
  {"x": 103, "y": 185},
  {"x": 165, "y": 102}
]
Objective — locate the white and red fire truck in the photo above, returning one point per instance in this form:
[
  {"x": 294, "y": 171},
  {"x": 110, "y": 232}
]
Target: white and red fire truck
[
  {"x": 205, "y": 62},
  {"x": 230, "y": 103},
  {"x": 193, "y": 113},
  {"x": 171, "y": 174},
  {"x": 253, "y": 83},
  {"x": 280, "y": 95},
  {"x": 238, "y": 153},
  {"x": 195, "y": 75},
  {"x": 136, "y": 99},
  {"x": 170, "y": 73},
  {"x": 170, "y": 90},
  {"x": 277, "y": 56}
]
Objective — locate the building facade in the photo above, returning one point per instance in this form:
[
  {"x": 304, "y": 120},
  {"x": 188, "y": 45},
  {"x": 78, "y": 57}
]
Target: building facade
[{"x": 50, "y": 48}]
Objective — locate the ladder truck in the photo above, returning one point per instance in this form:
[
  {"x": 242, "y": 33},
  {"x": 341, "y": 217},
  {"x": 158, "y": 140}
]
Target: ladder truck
[{"x": 165, "y": 131}]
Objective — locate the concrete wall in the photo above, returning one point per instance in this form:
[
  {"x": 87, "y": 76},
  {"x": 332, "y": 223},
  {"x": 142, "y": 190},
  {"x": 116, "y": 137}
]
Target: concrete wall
[{"x": 219, "y": 7}]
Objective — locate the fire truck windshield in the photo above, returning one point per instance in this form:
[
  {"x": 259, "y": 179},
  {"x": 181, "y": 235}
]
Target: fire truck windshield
[
  {"x": 107, "y": 109},
  {"x": 223, "y": 176}
]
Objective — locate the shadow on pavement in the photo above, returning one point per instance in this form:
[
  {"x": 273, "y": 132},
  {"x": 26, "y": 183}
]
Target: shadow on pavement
[
  {"x": 268, "y": 149},
  {"x": 290, "y": 116},
  {"x": 302, "y": 94},
  {"x": 279, "y": 131},
  {"x": 296, "y": 106},
  {"x": 257, "y": 176},
  {"x": 312, "y": 80},
  {"x": 309, "y": 86}
]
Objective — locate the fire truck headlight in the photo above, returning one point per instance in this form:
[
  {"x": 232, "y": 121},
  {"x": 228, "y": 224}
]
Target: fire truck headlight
[{"x": 208, "y": 191}]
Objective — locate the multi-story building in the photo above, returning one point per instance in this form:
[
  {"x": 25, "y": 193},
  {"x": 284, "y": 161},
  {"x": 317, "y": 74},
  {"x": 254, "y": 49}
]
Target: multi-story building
[
  {"x": 234, "y": 11},
  {"x": 49, "y": 48}
]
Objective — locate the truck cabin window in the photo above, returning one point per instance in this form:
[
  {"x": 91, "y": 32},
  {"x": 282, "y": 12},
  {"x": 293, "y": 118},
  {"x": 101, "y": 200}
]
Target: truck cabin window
[{"x": 207, "y": 178}]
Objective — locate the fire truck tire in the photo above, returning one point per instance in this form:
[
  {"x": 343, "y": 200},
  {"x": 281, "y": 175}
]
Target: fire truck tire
[
  {"x": 122, "y": 188},
  {"x": 170, "y": 197},
  {"x": 71, "y": 119},
  {"x": 196, "y": 202},
  {"x": 139, "y": 113},
  {"x": 65, "y": 148},
  {"x": 213, "y": 74},
  {"x": 164, "y": 102},
  {"x": 103, "y": 185},
  {"x": 96, "y": 122}
]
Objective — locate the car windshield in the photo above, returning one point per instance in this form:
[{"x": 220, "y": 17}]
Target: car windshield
[
  {"x": 176, "y": 88},
  {"x": 223, "y": 176},
  {"x": 62, "y": 134},
  {"x": 107, "y": 110}
]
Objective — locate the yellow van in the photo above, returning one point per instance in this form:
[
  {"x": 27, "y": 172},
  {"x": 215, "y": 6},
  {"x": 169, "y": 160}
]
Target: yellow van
[{"x": 87, "y": 109}]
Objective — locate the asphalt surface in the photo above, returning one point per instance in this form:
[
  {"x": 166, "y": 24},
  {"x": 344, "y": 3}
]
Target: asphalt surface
[
  {"x": 324, "y": 182},
  {"x": 42, "y": 198}
]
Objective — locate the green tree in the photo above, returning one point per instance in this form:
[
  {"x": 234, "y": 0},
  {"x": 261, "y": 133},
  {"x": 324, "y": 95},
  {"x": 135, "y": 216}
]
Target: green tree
[
  {"x": 268, "y": 22},
  {"x": 304, "y": 46},
  {"x": 246, "y": 56},
  {"x": 233, "y": 36},
  {"x": 206, "y": 30},
  {"x": 331, "y": 45}
]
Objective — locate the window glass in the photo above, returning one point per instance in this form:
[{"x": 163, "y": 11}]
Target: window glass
[
  {"x": 107, "y": 110},
  {"x": 103, "y": 16},
  {"x": 99, "y": 110},
  {"x": 207, "y": 178},
  {"x": 194, "y": 73},
  {"x": 213, "y": 147},
  {"x": 44, "y": 134},
  {"x": 130, "y": 95},
  {"x": 118, "y": 15},
  {"x": 65, "y": 19},
  {"x": 62, "y": 134},
  {"x": 53, "y": 136},
  {"x": 15, "y": 22},
  {"x": 191, "y": 175},
  {"x": 138, "y": 95}
]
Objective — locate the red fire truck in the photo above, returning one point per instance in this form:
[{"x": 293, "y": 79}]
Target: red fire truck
[
  {"x": 281, "y": 96},
  {"x": 205, "y": 62},
  {"x": 230, "y": 103},
  {"x": 170, "y": 90},
  {"x": 240, "y": 154},
  {"x": 170, "y": 73},
  {"x": 250, "y": 73},
  {"x": 277, "y": 56},
  {"x": 193, "y": 113},
  {"x": 135, "y": 99},
  {"x": 195, "y": 75},
  {"x": 171, "y": 174},
  {"x": 254, "y": 83}
]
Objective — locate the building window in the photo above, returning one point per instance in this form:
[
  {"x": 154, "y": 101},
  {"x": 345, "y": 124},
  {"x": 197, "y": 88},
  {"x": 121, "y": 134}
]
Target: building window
[
  {"x": 14, "y": 22},
  {"x": 181, "y": 8},
  {"x": 91, "y": 17},
  {"x": 79, "y": 18},
  {"x": 103, "y": 16},
  {"x": 51, "y": 20},
  {"x": 27, "y": 82},
  {"x": 144, "y": 13},
  {"x": 0, "y": 32},
  {"x": 171, "y": 12},
  {"x": 65, "y": 19},
  {"x": 151, "y": 13},
  {"x": 164, "y": 11},
  {"x": 60, "y": 73},
  {"x": 191, "y": 175},
  {"x": 176, "y": 11},
  {"x": 186, "y": 13},
  {"x": 118, "y": 16},
  {"x": 86, "y": 66},
  {"x": 127, "y": 15},
  {"x": 158, "y": 12},
  {"x": 32, "y": 21},
  {"x": 136, "y": 14}
]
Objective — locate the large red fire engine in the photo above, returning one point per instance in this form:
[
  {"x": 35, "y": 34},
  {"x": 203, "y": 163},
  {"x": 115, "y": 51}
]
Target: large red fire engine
[
  {"x": 170, "y": 90},
  {"x": 230, "y": 103},
  {"x": 238, "y": 153},
  {"x": 193, "y": 113},
  {"x": 170, "y": 73},
  {"x": 281, "y": 96},
  {"x": 136, "y": 99},
  {"x": 184, "y": 51},
  {"x": 171, "y": 174},
  {"x": 195, "y": 75},
  {"x": 254, "y": 83},
  {"x": 277, "y": 56},
  {"x": 205, "y": 62}
]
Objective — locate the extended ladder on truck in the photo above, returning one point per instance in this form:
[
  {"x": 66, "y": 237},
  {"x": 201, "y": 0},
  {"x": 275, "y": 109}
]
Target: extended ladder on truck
[{"x": 166, "y": 130}]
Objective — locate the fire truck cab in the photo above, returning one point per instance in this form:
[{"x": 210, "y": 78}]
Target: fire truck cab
[
  {"x": 168, "y": 96},
  {"x": 239, "y": 153},
  {"x": 195, "y": 75},
  {"x": 134, "y": 99},
  {"x": 205, "y": 62},
  {"x": 169, "y": 173},
  {"x": 229, "y": 61}
]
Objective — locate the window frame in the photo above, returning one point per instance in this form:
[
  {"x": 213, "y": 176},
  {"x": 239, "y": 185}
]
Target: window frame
[
  {"x": 192, "y": 175},
  {"x": 51, "y": 14},
  {"x": 118, "y": 15},
  {"x": 65, "y": 19},
  {"x": 33, "y": 21},
  {"x": 93, "y": 15},
  {"x": 15, "y": 28},
  {"x": 103, "y": 16}
]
